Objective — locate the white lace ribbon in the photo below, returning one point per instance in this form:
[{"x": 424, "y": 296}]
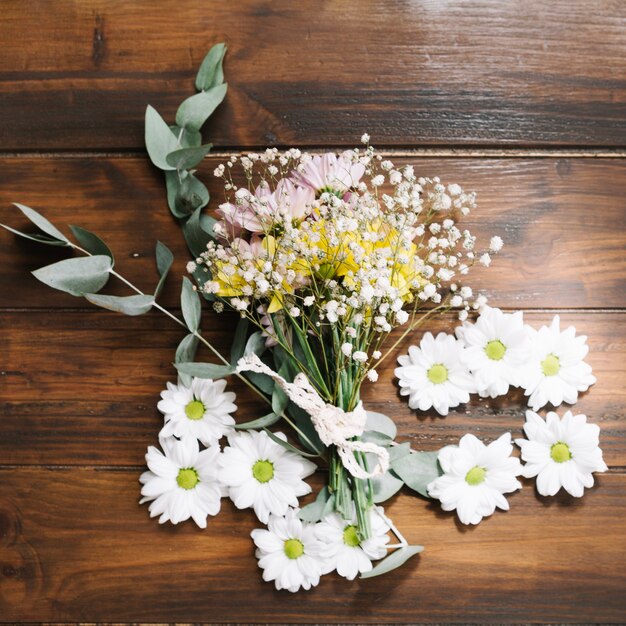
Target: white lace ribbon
[{"x": 333, "y": 425}]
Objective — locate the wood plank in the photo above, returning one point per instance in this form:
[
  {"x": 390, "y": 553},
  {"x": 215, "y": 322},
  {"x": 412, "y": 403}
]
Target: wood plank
[
  {"x": 82, "y": 387},
  {"x": 563, "y": 222},
  {"x": 462, "y": 73},
  {"x": 75, "y": 546}
]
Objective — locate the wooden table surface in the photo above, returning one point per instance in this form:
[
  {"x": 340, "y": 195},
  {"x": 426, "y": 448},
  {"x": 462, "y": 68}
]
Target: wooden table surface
[{"x": 523, "y": 102}]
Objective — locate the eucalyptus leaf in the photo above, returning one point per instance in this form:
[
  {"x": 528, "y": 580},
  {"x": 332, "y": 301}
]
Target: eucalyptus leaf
[
  {"x": 287, "y": 445},
  {"x": 307, "y": 434},
  {"x": 187, "y": 158},
  {"x": 261, "y": 422},
  {"x": 91, "y": 242},
  {"x": 255, "y": 344},
  {"x": 164, "y": 260},
  {"x": 381, "y": 424},
  {"x": 205, "y": 370},
  {"x": 385, "y": 486},
  {"x": 371, "y": 436},
  {"x": 314, "y": 511},
  {"x": 196, "y": 234},
  {"x": 195, "y": 110},
  {"x": 76, "y": 276},
  {"x": 49, "y": 241},
  {"x": 41, "y": 222},
  {"x": 279, "y": 400},
  {"x": 211, "y": 72},
  {"x": 394, "y": 560},
  {"x": 201, "y": 276},
  {"x": 239, "y": 340},
  {"x": 399, "y": 451},
  {"x": 417, "y": 470},
  {"x": 160, "y": 140},
  {"x": 260, "y": 381},
  {"x": 329, "y": 507},
  {"x": 186, "y": 352},
  {"x": 187, "y": 138},
  {"x": 129, "y": 305},
  {"x": 190, "y": 303},
  {"x": 191, "y": 194}
]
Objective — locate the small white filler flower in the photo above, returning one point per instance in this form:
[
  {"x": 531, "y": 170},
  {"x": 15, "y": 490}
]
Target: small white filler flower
[
  {"x": 561, "y": 452},
  {"x": 181, "y": 481},
  {"x": 434, "y": 375},
  {"x": 497, "y": 347},
  {"x": 475, "y": 477},
  {"x": 202, "y": 411},
  {"x": 262, "y": 475},
  {"x": 342, "y": 548},
  {"x": 288, "y": 552},
  {"x": 556, "y": 371}
]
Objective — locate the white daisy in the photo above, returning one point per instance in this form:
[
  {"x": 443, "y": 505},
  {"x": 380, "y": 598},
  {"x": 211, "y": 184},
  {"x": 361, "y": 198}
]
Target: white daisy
[
  {"x": 344, "y": 551},
  {"x": 261, "y": 474},
  {"x": 561, "y": 452},
  {"x": 201, "y": 411},
  {"x": 434, "y": 375},
  {"x": 182, "y": 482},
  {"x": 475, "y": 477},
  {"x": 556, "y": 371},
  {"x": 288, "y": 552},
  {"x": 497, "y": 348}
]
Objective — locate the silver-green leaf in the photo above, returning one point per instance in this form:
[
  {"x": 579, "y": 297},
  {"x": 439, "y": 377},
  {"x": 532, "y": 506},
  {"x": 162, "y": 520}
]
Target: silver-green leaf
[
  {"x": 195, "y": 110},
  {"x": 160, "y": 140},
  {"x": 287, "y": 445},
  {"x": 381, "y": 424},
  {"x": 129, "y": 305},
  {"x": 394, "y": 560},
  {"x": 91, "y": 242},
  {"x": 190, "y": 303},
  {"x": 314, "y": 511},
  {"x": 205, "y": 370},
  {"x": 417, "y": 470},
  {"x": 186, "y": 158},
  {"x": 186, "y": 352},
  {"x": 45, "y": 239},
  {"x": 211, "y": 72},
  {"x": 385, "y": 487},
  {"x": 261, "y": 422},
  {"x": 164, "y": 260},
  {"x": 41, "y": 222},
  {"x": 76, "y": 276}
]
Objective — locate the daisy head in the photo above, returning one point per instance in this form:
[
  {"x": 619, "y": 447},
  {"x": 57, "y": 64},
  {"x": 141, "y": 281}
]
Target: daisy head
[
  {"x": 435, "y": 375},
  {"x": 561, "y": 452},
  {"x": 343, "y": 549},
  {"x": 262, "y": 475},
  {"x": 181, "y": 482},
  {"x": 329, "y": 173},
  {"x": 475, "y": 477},
  {"x": 496, "y": 350},
  {"x": 201, "y": 411},
  {"x": 556, "y": 371},
  {"x": 288, "y": 552}
]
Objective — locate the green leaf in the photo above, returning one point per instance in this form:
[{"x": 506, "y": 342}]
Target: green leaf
[
  {"x": 287, "y": 445},
  {"x": 314, "y": 511},
  {"x": 260, "y": 381},
  {"x": 91, "y": 242},
  {"x": 205, "y": 370},
  {"x": 190, "y": 303},
  {"x": 49, "y": 241},
  {"x": 185, "y": 193},
  {"x": 393, "y": 561},
  {"x": 187, "y": 138},
  {"x": 186, "y": 352},
  {"x": 308, "y": 436},
  {"x": 399, "y": 451},
  {"x": 211, "y": 72},
  {"x": 381, "y": 424},
  {"x": 255, "y": 344},
  {"x": 195, "y": 231},
  {"x": 261, "y": 422},
  {"x": 417, "y": 470},
  {"x": 239, "y": 341},
  {"x": 164, "y": 260},
  {"x": 77, "y": 276},
  {"x": 195, "y": 110},
  {"x": 385, "y": 487},
  {"x": 160, "y": 140},
  {"x": 186, "y": 158},
  {"x": 41, "y": 222},
  {"x": 371, "y": 436},
  {"x": 129, "y": 305}
]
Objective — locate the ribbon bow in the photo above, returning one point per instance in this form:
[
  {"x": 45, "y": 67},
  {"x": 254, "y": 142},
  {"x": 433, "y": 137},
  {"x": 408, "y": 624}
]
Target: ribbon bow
[{"x": 333, "y": 425}]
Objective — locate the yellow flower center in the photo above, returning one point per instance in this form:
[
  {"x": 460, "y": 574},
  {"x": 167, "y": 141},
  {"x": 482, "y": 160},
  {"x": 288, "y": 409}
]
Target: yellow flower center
[
  {"x": 560, "y": 452},
  {"x": 187, "y": 478},
  {"x": 475, "y": 476},
  {"x": 550, "y": 366},
  {"x": 437, "y": 374},
  {"x": 350, "y": 537},
  {"x": 263, "y": 471},
  {"x": 495, "y": 350},
  {"x": 194, "y": 410},
  {"x": 294, "y": 548}
]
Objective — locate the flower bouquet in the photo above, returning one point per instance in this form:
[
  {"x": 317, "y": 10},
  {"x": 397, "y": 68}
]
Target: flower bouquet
[{"x": 330, "y": 261}]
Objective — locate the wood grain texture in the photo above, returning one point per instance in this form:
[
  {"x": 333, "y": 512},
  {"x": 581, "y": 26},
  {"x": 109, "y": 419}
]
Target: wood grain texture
[
  {"x": 76, "y": 546},
  {"x": 82, "y": 387},
  {"x": 562, "y": 220},
  {"x": 79, "y": 74}
]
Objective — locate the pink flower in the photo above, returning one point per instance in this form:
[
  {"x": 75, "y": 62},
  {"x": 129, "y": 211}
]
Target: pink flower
[{"x": 329, "y": 173}]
